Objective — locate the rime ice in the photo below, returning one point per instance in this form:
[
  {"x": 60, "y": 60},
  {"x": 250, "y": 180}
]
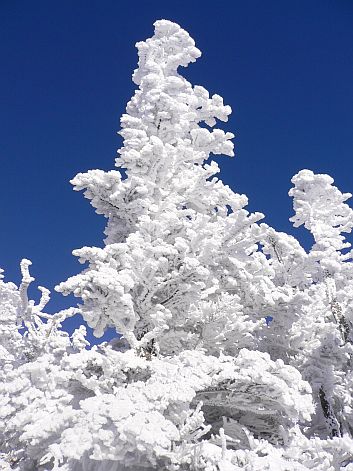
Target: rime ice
[{"x": 196, "y": 379}]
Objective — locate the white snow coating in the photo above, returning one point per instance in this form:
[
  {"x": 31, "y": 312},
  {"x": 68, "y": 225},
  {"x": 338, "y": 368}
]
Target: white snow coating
[{"x": 196, "y": 380}]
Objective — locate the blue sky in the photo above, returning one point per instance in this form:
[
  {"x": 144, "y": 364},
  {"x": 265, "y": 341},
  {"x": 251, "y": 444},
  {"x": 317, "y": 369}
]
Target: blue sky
[{"x": 285, "y": 67}]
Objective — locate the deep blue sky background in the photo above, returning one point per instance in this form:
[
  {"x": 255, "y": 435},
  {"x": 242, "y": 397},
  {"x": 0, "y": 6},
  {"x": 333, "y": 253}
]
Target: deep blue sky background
[{"x": 285, "y": 67}]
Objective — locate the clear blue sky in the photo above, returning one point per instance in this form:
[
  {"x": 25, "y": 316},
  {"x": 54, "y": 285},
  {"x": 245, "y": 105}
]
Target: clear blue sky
[{"x": 285, "y": 67}]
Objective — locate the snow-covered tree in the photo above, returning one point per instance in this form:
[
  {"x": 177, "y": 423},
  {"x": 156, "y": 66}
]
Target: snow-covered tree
[
  {"x": 195, "y": 379},
  {"x": 325, "y": 323}
]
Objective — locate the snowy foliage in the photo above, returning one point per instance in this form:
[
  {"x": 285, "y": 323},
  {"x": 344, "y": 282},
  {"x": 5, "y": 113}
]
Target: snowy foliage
[{"x": 196, "y": 379}]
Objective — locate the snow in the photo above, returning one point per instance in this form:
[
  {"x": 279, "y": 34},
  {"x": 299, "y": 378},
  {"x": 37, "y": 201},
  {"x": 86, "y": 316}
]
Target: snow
[{"x": 187, "y": 277}]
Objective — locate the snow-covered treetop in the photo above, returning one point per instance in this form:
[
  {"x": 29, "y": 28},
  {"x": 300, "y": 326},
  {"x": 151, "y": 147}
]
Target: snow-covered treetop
[
  {"x": 169, "y": 48},
  {"x": 321, "y": 208},
  {"x": 161, "y": 129},
  {"x": 167, "y": 109}
]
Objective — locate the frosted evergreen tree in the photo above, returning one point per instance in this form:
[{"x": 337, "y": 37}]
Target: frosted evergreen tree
[
  {"x": 325, "y": 340},
  {"x": 311, "y": 327},
  {"x": 195, "y": 380}
]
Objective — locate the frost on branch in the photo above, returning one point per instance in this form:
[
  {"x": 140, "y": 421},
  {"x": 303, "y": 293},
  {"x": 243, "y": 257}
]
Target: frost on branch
[
  {"x": 27, "y": 360},
  {"x": 234, "y": 346}
]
